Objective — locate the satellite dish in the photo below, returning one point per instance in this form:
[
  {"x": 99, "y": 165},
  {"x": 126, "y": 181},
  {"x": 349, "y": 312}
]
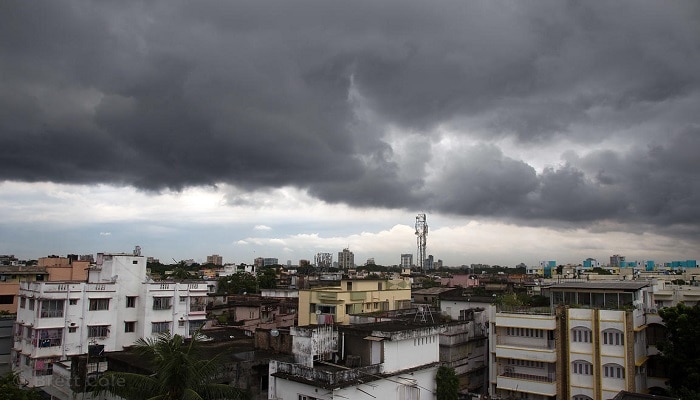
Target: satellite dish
[
  {"x": 318, "y": 312},
  {"x": 274, "y": 333}
]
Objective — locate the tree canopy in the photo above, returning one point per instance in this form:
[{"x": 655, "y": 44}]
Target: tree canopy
[
  {"x": 679, "y": 350},
  {"x": 180, "y": 373},
  {"x": 10, "y": 389},
  {"x": 447, "y": 383}
]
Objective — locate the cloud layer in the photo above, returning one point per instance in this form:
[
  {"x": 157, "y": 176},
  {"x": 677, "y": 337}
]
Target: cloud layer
[{"x": 538, "y": 113}]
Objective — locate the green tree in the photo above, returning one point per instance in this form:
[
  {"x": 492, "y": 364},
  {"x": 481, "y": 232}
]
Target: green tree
[
  {"x": 679, "y": 351},
  {"x": 447, "y": 383},
  {"x": 238, "y": 283},
  {"x": 180, "y": 373},
  {"x": 10, "y": 390},
  {"x": 267, "y": 279},
  {"x": 180, "y": 274}
]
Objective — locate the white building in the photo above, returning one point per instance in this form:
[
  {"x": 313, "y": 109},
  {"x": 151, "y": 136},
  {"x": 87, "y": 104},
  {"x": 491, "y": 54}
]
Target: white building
[
  {"x": 386, "y": 360},
  {"x": 117, "y": 305}
]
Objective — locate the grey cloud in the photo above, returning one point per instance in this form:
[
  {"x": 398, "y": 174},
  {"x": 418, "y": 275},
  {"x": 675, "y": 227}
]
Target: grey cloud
[{"x": 175, "y": 94}]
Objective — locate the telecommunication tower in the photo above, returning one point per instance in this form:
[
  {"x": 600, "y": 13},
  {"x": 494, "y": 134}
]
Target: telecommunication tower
[{"x": 422, "y": 234}]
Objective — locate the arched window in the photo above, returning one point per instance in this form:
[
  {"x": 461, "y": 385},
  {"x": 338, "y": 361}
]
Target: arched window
[
  {"x": 615, "y": 371},
  {"x": 613, "y": 337},
  {"x": 581, "y": 397},
  {"x": 581, "y": 367},
  {"x": 581, "y": 334}
]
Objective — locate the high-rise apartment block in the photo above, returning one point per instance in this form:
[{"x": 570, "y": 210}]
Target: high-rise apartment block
[
  {"x": 215, "y": 259},
  {"x": 346, "y": 259}
]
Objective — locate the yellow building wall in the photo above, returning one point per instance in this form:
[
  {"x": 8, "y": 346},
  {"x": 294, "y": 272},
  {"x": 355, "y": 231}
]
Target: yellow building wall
[{"x": 363, "y": 296}]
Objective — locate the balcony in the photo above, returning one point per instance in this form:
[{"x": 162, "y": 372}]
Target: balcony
[
  {"x": 325, "y": 375},
  {"x": 543, "y": 384}
]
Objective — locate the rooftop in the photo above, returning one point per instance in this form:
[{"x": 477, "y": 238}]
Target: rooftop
[{"x": 601, "y": 285}]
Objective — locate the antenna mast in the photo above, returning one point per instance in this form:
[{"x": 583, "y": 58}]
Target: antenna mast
[{"x": 422, "y": 234}]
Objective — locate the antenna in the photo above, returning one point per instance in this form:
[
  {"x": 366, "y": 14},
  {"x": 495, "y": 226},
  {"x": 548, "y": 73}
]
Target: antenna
[{"x": 422, "y": 234}]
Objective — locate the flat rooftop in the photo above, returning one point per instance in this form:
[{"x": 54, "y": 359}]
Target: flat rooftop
[{"x": 600, "y": 285}]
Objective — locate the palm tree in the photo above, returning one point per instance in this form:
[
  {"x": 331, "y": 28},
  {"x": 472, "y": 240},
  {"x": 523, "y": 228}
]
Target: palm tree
[{"x": 180, "y": 373}]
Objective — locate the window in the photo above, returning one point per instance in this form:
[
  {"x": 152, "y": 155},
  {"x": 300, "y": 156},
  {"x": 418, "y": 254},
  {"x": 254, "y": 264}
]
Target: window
[
  {"x": 129, "y": 326},
  {"x": 581, "y": 335},
  {"x": 22, "y": 302},
  {"x": 349, "y": 286},
  {"x": 181, "y": 323},
  {"x": 52, "y": 308},
  {"x": 614, "y": 371},
  {"x": 525, "y": 332},
  {"x": 135, "y": 262},
  {"x": 72, "y": 329},
  {"x": 160, "y": 327},
  {"x": 31, "y": 304},
  {"x": 48, "y": 337},
  {"x": 130, "y": 301},
  {"x": 613, "y": 337},
  {"x": 98, "y": 304},
  {"x": 303, "y": 397},
  {"x": 43, "y": 366},
  {"x": 379, "y": 286},
  {"x": 582, "y": 367},
  {"x": 73, "y": 302},
  {"x": 98, "y": 331},
  {"x": 183, "y": 299},
  {"x": 161, "y": 303}
]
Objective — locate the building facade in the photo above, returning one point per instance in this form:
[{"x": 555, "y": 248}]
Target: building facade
[
  {"x": 334, "y": 304},
  {"x": 112, "y": 309},
  {"x": 595, "y": 340}
]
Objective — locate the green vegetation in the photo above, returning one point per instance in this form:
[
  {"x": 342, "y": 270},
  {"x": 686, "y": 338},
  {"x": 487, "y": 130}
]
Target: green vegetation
[
  {"x": 447, "y": 383},
  {"x": 680, "y": 352},
  {"x": 180, "y": 373},
  {"x": 10, "y": 390}
]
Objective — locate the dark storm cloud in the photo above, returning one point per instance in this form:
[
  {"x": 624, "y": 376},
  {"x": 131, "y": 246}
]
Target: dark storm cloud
[{"x": 259, "y": 94}]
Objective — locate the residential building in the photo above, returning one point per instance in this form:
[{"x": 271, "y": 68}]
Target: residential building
[
  {"x": 334, "y": 304},
  {"x": 385, "y": 360},
  {"x": 406, "y": 261},
  {"x": 117, "y": 304},
  {"x": 596, "y": 339},
  {"x": 215, "y": 259},
  {"x": 346, "y": 259},
  {"x": 51, "y": 268}
]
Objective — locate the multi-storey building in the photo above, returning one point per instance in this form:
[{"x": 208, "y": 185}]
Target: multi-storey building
[
  {"x": 346, "y": 259},
  {"x": 386, "y": 360},
  {"x": 52, "y": 268},
  {"x": 215, "y": 259},
  {"x": 327, "y": 305},
  {"x": 116, "y": 305},
  {"x": 406, "y": 260},
  {"x": 595, "y": 340}
]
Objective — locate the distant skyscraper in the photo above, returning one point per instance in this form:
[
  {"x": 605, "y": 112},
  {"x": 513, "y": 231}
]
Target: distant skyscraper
[
  {"x": 346, "y": 259},
  {"x": 429, "y": 262},
  {"x": 406, "y": 260},
  {"x": 215, "y": 259}
]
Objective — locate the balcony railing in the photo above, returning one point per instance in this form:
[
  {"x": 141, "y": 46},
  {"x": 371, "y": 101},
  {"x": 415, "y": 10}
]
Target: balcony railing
[
  {"x": 508, "y": 373},
  {"x": 51, "y": 314}
]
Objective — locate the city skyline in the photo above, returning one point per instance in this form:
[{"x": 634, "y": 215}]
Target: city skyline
[{"x": 525, "y": 131}]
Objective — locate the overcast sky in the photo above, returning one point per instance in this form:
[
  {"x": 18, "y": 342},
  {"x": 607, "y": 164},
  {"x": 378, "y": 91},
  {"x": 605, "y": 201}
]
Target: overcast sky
[{"x": 525, "y": 130}]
